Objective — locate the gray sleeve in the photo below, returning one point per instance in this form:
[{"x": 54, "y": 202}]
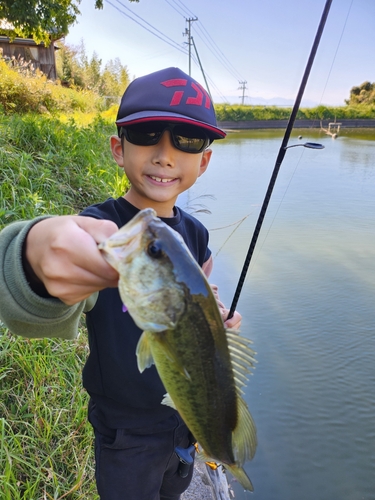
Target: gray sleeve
[{"x": 21, "y": 310}]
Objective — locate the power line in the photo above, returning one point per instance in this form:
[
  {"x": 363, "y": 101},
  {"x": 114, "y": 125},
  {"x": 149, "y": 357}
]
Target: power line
[
  {"x": 190, "y": 13},
  {"x": 159, "y": 34},
  {"x": 211, "y": 44},
  {"x": 163, "y": 37},
  {"x": 219, "y": 54},
  {"x": 175, "y": 8}
]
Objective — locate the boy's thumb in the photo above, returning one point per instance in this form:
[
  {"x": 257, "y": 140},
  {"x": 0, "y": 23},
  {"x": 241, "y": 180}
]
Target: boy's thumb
[{"x": 98, "y": 229}]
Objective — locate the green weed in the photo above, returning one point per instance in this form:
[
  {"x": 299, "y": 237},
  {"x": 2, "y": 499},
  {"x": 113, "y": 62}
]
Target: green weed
[
  {"x": 50, "y": 167},
  {"x": 225, "y": 112},
  {"x": 45, "y": 439},
  {"x": 34, "y": 93},
  {"x": 46, "y": 451}
]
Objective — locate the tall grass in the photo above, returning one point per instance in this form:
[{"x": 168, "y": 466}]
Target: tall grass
[
  {"x": 52, "y": 167},
  {"x": 45, "y": 439},
  {"x": 47, "y": 166},
  {"x": 21, "y": 93}
]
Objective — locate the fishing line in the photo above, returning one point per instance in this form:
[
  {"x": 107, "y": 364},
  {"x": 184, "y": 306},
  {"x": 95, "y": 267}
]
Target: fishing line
[
  {"x": 278, "y": 208},
  {"x": 237, "y": 224},
  {"x": 280, "y": 157},
  {"x": 337, "y": 49}
]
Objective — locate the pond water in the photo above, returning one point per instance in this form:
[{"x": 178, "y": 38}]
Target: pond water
[{"x": 308, "y": 304}]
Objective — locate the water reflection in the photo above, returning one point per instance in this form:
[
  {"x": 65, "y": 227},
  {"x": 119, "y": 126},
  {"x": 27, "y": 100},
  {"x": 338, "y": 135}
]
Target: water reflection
[{"x": 307, "y": 303}]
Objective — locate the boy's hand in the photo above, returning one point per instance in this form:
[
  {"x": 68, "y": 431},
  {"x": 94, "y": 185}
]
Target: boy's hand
[
  {"x": 63, "y": 254},
  {"x": 235, "y": 320}
]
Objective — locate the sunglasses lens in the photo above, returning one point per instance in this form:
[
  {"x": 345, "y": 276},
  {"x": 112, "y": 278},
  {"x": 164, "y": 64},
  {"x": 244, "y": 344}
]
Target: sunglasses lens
[
  {"x": 185, "y": 138},
  {"x": 143, "y": 135},
  {"x": 189, "y": 139}
]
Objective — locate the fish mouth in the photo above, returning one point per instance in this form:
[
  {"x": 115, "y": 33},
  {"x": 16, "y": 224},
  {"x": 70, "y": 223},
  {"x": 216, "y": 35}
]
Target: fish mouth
[
  {"x": 126, "y": 240},
  {"x": 133, "y": 228}
]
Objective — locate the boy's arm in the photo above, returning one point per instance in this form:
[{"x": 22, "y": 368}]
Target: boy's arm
[
  {"x": 235, "y": 321},
  {"x": 22, "y": 310}
]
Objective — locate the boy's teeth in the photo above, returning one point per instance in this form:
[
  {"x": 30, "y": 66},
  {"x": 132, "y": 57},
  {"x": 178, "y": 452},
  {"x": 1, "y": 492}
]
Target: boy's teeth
[{"x": 159, "y": 179}]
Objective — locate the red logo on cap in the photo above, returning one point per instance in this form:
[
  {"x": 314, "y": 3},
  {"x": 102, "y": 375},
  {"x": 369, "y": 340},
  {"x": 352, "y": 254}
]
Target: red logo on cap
[{"x": 178, "y": 94}]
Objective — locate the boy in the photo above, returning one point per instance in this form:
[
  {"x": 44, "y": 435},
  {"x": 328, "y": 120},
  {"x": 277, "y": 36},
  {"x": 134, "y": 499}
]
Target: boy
[{"x": 52, "y": 271}]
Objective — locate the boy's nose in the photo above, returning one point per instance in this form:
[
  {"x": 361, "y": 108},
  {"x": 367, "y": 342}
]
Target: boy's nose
[
  {"x": 164, "y": 151},
  {"x": 166, "y": 139}
]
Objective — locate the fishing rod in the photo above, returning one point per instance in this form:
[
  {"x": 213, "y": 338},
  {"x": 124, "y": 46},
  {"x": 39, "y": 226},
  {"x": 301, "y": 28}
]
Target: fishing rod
[{"x": 284, "y": 146}]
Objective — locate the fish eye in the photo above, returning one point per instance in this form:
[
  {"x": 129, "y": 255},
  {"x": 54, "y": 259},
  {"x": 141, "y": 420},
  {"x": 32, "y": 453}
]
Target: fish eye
[{"x": 155, "y": 250}]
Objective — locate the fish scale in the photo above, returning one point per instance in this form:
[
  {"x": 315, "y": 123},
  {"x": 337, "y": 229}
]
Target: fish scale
[{"x": 209, "y": 391}]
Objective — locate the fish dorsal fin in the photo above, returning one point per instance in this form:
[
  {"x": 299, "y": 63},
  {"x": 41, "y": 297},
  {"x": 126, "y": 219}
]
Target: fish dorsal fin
[
  {"x": 167, "y": 401},
  {"x": 244, "y": 438},
  {"x": 242, "y": 358},
  {"x": 143, "y": 352}
]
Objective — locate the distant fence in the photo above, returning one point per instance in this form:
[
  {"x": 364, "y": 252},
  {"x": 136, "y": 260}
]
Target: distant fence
[{"x": 258, "y": 124}]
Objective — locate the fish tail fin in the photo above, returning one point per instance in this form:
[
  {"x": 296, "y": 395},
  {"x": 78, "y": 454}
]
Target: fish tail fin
[{"x": 240, "y": 475}]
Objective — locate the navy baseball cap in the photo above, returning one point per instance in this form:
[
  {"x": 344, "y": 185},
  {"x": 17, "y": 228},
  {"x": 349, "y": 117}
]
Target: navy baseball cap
[{"x": 168, "y": 95}]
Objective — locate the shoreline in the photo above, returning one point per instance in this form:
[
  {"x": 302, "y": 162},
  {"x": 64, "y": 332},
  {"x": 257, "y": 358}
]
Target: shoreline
[{"x": 281, "y": 124}]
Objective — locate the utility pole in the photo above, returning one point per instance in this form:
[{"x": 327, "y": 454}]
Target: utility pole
[
  {"x": 188, "y": 34},
  {"x": 243, "y": 88},
  {"x": 201, "y": 67}
]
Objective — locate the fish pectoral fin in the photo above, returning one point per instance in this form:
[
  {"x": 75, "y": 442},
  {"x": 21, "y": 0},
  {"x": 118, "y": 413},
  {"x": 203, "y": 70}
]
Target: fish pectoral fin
[
  {"x": 168, "y": 401},
  {"x": 143, "y": 352},
  {"x": 244, "y": 436},
  {"x": 171, "y": 354}
]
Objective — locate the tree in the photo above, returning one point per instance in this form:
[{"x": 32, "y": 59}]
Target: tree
[
  {"x": 75, "y": 69},
  {"x": 364, "y": 94},
  {"x": 70, "y": 64},
  {"x": 43, "y": 20}
]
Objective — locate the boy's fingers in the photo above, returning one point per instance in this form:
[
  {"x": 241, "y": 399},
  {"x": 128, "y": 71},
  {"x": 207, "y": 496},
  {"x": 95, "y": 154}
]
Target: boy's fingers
[
  {"x": 234, "y": 322},
  {"x": 99, "y": 229},
  {"x": 63, "y": 253}
]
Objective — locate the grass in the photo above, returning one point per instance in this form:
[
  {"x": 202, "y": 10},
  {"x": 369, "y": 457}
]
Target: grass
[
  {"x": 45, "y": 439},
  {"x": 51, "y": 166},
  {"x": 48, "y": 166}
]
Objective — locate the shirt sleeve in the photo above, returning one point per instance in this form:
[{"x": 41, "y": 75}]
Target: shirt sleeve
[{"x": 21, "y": 310}]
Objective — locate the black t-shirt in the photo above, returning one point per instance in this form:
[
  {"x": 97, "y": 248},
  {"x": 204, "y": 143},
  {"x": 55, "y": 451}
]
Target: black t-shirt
[{"x": 124, "y": 397}]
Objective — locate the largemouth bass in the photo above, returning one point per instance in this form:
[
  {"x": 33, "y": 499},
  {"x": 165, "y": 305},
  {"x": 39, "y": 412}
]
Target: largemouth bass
[{"x": 201, "y": 364}]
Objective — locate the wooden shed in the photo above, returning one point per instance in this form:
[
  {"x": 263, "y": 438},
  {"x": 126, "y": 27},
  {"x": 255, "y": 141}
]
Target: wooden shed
[{"x": 42, "y": 57}]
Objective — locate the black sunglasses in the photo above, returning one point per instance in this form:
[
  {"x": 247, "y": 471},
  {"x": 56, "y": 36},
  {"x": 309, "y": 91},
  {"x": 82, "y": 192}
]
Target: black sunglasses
[{"x": 186, "y": 138}]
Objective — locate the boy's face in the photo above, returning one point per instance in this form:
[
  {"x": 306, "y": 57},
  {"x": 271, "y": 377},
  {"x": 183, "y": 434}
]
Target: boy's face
[{"x": 158, "y": 173}]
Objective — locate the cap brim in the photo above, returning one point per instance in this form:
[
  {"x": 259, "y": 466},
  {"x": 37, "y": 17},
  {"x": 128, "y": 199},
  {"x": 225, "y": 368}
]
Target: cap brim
[{"x": 149, "y": 116}]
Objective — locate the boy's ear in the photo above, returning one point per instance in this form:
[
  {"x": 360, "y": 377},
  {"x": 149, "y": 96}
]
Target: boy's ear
[
  {"x": 206, "y": 157},
  {"x": 116, "y": 148}
]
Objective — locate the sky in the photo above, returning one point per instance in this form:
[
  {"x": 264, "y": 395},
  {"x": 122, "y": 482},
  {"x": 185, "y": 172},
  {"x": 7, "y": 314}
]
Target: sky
[{"x": 263, "y": 43}]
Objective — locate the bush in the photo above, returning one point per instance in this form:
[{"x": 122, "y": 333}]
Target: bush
[
  {"x": 29, "y": 92},
  {"x": 364, "y": 94},
  {"x": 225, "y": 112}
]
